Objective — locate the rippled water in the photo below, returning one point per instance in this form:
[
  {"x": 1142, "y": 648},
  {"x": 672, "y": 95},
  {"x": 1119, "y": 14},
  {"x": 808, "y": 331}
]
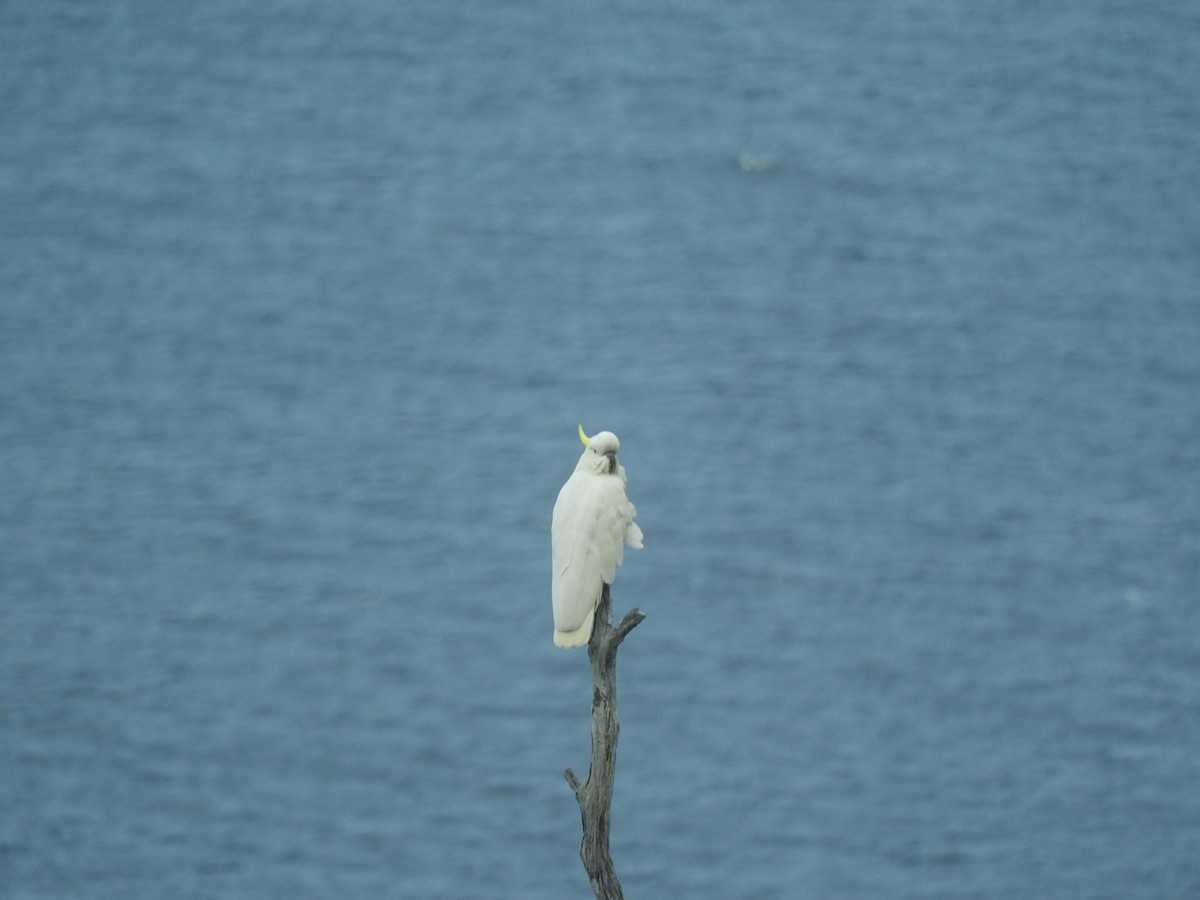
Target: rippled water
[{"x": 895, "y": 310}]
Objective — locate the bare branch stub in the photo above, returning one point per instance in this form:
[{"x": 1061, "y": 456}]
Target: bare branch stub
[{"x": 595, "y": 795}]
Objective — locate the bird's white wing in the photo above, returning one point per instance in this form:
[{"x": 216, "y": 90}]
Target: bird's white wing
[
  {"x": 633, "y": 534},
  {"x": 592, "y": 521}
]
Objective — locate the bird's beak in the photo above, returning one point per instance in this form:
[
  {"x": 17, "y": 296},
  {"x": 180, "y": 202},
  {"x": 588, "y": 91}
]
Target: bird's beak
[
  {"x": 612, "y": 460},
  {"x": 582, "y": 436}
]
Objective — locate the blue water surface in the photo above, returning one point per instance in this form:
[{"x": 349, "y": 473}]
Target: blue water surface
[{"x": 895, "y": 308}]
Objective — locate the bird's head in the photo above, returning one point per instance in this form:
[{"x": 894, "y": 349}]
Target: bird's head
[{"x": 600, "y": 455}]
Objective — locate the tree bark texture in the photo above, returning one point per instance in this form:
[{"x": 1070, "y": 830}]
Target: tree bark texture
[{"x": 595, "y": 795}]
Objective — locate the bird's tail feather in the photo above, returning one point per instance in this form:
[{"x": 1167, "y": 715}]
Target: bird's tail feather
[{"x": 578, "y": 637}]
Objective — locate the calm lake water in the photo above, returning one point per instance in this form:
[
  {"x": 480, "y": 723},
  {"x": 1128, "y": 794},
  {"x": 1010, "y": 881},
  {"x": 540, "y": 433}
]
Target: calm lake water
[{"x": 895, "y": 308}]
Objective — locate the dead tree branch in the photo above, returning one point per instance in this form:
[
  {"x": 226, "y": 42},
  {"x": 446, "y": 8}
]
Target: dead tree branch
[{"x": 595, "y": 795}]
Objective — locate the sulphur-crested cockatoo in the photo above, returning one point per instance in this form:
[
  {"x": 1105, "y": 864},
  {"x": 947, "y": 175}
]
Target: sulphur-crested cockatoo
[{"x": 593, "y": 521}]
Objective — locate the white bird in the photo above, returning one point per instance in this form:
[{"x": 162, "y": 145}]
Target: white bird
[{"x": 593, "y": 521}]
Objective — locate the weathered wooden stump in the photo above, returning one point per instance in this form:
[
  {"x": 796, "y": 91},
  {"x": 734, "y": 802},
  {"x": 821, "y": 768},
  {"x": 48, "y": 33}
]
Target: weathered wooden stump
[{"x": 595, "y": 795}]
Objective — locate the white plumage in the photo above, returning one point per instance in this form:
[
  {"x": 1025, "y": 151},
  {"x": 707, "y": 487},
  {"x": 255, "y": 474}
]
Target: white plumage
[{"x": 593, "y": 521}]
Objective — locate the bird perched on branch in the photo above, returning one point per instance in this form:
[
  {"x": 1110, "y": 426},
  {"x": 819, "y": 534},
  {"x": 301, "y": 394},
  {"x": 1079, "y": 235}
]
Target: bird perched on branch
[{"x": 593, "y": 521}]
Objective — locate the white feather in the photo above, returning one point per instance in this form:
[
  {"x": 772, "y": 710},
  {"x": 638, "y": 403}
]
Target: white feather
[{"x": 593, "y": 521}]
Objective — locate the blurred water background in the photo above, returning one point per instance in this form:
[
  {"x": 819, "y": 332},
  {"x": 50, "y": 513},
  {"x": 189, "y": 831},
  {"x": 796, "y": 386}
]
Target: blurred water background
[{"x": 894, "y": 306}]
